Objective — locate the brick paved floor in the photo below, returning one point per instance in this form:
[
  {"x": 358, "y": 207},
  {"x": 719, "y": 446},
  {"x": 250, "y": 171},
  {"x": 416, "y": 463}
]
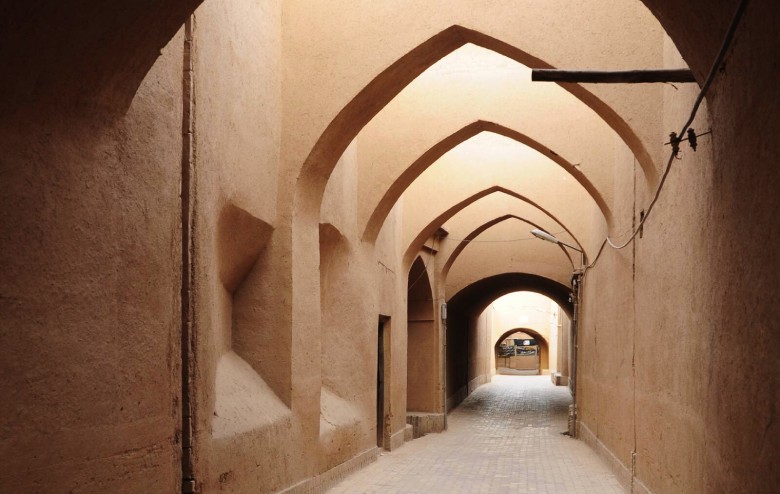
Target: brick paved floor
[{"x": 505, "y": 438}]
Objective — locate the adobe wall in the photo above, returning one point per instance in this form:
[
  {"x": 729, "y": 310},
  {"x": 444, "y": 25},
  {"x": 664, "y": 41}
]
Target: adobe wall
[
  {"x": 392, "y": 287},
  {"x": 91, "y": 250},
  {"x": 90, "y": 255},
  {"x": 740, "y": 407},
  {"x": 272, "y": 409},
  {"x": 241, "y": 359},
  {"x": 704, "y": 407}
]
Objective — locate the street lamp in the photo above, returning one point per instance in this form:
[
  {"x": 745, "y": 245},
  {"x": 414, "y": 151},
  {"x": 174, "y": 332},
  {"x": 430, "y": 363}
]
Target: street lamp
[
  {"x": 576, "y": 282},
  {"x": 543, "y": 235}
]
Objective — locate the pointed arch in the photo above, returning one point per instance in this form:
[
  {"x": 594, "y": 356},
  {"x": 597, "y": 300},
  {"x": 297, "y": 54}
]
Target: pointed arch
[
  {"x": 485, "y": 226},
  {"x": 402, "y": 182},
  {"x": 537, "y": 336},
  {"x": 419, "y": 286},
  {"x": 415, "y": 245},
  {"x": 475, "y": 297},
  {"x": 421, "y": 344},
  {"x": 78, "y": 58},
  {"x": 384, "y": 87}
]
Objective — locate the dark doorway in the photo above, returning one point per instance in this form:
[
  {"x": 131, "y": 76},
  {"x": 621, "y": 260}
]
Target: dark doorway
[{"x": 380, "y": 381}]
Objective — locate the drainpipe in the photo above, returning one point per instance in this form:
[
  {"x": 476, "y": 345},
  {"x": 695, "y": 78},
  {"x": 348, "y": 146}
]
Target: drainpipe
[
  {"x": 576, "y": 283},
  {"x": 188, "y": 484},
  {"x": 444, "y": 361}
]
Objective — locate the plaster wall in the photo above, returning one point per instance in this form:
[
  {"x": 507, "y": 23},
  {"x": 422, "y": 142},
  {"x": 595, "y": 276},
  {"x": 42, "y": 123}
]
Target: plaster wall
[
  {"x": 393, "y": 290},
  {"x": 421, "y": 361},
  {"x": 349, "y": 325},
  {"x": 694, "y": 273},
  {"x": 90, "y": 254},
  {"x": 348, "y": 333},
  {"x": 736, "y": 281},
  {"x": 301, "y": 404},
  {"x": 91, "y": 244},
  {"x": 242, "y": 342},
  {"x": 565, "y": 346},
  {"x": 480, "y": 345}
]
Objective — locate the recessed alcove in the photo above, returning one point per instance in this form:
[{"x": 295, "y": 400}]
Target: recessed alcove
[
  {"x": 252, "y": 384},
  {"x": 244, "y": 402}
]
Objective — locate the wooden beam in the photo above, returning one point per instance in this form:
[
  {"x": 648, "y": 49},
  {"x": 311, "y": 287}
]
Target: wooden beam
[{"x": 613, "y": 76}]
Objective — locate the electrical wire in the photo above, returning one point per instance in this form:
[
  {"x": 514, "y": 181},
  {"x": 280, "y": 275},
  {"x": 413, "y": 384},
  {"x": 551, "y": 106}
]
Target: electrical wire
[
  {"x": 499, "y": 241},
  {"x": 699, "y": 99}
]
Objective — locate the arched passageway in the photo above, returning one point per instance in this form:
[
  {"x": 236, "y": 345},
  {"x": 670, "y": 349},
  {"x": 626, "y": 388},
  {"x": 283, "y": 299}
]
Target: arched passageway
[
  {"x": 470, "y": 357},
  {"x": 384, "y": 87},
  {"x": 126, "y": 136}
]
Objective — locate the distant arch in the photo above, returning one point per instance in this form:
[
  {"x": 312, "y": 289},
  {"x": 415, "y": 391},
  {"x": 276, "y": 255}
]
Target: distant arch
[
  {"x": 464, "y": 310},
  {"x": 477, "y": 296},
  {"x": 536, "y": 335},
  {"x": 544, "y": 346},
  {"x": 433, "y": 225},
  {"x": 479, "y": 230}
]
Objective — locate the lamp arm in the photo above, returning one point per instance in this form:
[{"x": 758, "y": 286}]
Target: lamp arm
[{"x": 570, "y": 246}]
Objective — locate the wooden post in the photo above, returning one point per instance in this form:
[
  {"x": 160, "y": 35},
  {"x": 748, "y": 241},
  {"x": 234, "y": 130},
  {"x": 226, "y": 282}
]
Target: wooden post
[{"x": 613, "y": 76}]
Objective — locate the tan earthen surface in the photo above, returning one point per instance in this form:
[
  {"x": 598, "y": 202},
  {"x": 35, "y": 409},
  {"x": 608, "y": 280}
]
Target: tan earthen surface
[{"x": 291, "y": 145}]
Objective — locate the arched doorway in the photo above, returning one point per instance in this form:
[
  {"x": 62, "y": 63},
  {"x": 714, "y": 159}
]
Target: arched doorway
[
  {"x": 521, "y": 352},
  {"x": 421, "y": 343}
]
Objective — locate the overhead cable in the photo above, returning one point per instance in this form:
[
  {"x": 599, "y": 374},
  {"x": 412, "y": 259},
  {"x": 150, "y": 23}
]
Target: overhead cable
[{"x": 677, "y": 138}]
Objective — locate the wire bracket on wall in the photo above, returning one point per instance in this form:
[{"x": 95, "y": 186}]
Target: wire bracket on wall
[
  {"x": 692, "y": 138},
  {"x": 675, "y": 142},
  {"x": 675, "y": 139}
]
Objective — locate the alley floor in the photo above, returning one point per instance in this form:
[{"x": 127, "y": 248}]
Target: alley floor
[{"x": 504, "y": 438}]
